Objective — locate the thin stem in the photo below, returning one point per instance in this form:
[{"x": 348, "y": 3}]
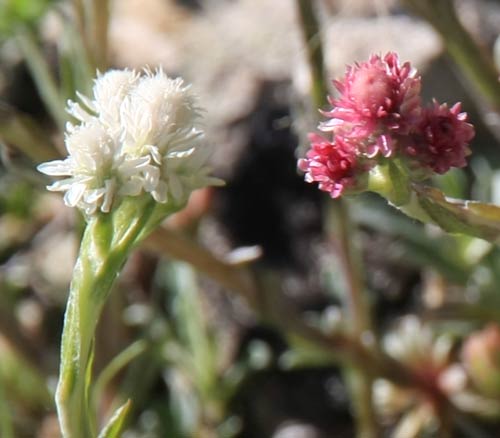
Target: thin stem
[
  {"x": 355, "y": 302},
  {"x": 473, "y": 60},
  {"x": 82, "y": 24},
  {"x": 312, "y": 38},
  {"x": 42, "y": 76},
  {"x": 343, "y": 236},
  {"x": 80, "y": 16},
  {"x": 101, "y": 12},
  {"x": 360, "y": 381},
  {"x": 92, "y": 19}
]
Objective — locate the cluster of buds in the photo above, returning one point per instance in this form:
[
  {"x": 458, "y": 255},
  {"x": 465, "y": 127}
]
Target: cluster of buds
[
  {"x": 377, "y": 117},
  {"x": 138, "y": 134}
]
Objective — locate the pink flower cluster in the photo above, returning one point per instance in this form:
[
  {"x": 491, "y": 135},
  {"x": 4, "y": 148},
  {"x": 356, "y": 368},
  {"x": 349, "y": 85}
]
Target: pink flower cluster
[{"x": 378, "y": 115}]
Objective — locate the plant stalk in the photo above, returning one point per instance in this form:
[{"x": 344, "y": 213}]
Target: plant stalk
[
  {"x": 105, "y": 246},
  {"x": 355, "y": 301},
  {"x": 473, "y": 60}
]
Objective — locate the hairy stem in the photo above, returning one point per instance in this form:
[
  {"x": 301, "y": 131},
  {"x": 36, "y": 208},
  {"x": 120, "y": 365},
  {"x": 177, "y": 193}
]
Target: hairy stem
[{"x": 105, "y": 245}]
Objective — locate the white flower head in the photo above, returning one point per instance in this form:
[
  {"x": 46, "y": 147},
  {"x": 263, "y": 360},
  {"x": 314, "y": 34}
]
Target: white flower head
[{"x": 136, "y": 135}]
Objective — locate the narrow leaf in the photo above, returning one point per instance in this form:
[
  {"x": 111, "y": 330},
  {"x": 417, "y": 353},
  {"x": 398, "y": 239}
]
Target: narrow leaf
[
  {"x": 460, "y": 216},
  {"x": 116, "y": 423}
]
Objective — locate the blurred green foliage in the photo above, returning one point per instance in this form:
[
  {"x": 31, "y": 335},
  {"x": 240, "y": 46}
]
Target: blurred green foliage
[{"x": 14, "y": 13}]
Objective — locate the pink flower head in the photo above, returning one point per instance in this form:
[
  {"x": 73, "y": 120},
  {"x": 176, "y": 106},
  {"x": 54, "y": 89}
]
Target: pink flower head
[
  {"x": 379, "y": 115},
  {"x": 442, "y": 138},
  {"x": 377, "y": 99},
  {"x": 332, "y": 165}
]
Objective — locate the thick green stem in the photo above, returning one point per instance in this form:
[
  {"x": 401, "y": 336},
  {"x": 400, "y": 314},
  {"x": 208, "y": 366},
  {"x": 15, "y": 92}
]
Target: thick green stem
[{"x": 105, "y": 245}]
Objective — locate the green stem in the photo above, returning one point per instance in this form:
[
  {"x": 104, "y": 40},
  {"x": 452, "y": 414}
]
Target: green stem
[
  {"x": 473, "y": 60},
  {"x": 101, "y": 13},
  {"x": 312, "y": 38},
  {"x": 355, "y": 300},
  {"x": 42, "y": 76},
  {"x": 105, "y": 245}
]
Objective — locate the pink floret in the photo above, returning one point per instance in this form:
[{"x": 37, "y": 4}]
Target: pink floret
[
  {"x": 378, "y": 99},
  {"x": 331, "y": 165},
  {"x": 443, "y": 138}
]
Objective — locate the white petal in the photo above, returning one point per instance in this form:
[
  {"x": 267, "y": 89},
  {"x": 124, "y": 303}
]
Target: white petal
[
  {"x": 160, "y": 193},
  {"x": 181, "y": 154},
  {"x": 155, "y": 153},
  {"x": 64, "y": 184},
  {"x": 110, "y": 186},
  {"x": 55, "y": 168},
  {"x": 78, "y": 112},
  {"x": 132, "y": 187},
  {"x": 74, "y": 194},
  {"x": 92, "y": 196}
]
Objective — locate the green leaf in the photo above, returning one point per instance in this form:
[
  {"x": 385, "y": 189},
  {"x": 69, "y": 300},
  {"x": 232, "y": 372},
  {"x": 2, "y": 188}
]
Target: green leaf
[
  {"x": 116, "y": 423},
  {"x": 460, "y": 216}
]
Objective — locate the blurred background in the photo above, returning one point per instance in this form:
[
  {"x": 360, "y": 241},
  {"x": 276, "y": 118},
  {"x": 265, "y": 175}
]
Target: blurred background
[{"x": 186, "y": 346}]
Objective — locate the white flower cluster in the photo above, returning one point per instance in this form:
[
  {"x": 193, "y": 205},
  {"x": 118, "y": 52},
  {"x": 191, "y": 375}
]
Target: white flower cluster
[{"x": 138, "y": 134}]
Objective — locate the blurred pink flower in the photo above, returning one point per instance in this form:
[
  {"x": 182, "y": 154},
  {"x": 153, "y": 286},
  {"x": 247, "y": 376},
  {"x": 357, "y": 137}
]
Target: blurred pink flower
[
  {"x": 378, "y": 99},
  {"x": 332, "y": 165},
  {"x": 442, "y": 138}
]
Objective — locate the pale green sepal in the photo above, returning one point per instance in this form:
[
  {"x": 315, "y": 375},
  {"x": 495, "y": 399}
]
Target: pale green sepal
[
  {"x": 390, "y": 181},
  {"x": 414, "y": 210},
  {"x": 401, "y": 193},
  {"x": 116, "y": 423}
]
